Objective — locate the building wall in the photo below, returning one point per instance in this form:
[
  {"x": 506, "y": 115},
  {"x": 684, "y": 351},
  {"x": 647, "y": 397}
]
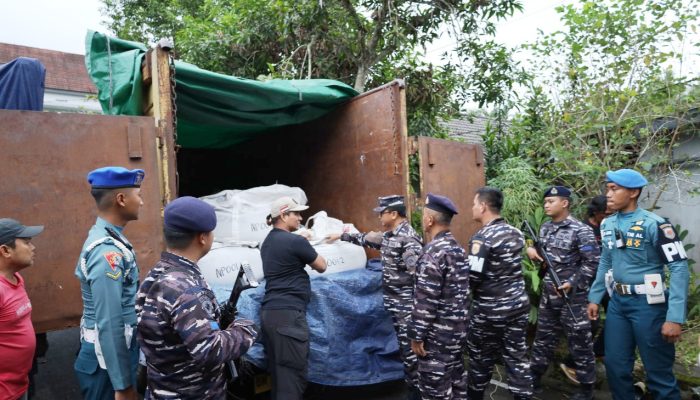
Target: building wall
[{"x": 678, "y": 203}]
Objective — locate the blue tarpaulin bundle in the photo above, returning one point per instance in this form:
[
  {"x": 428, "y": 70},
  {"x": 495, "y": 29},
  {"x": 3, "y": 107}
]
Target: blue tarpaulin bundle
[
  {"x": 22, "y": 85},
  {"x": 352, "y": 338}
]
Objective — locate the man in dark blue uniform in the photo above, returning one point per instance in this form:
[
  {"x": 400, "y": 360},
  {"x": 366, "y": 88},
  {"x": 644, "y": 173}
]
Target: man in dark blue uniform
[
  {"x": 287, "y": 293},
  {"x": 438, "y": 327},
  {"x": 186, "y": 350},
  {"x": 400, "y": 247},
  {"x": 108, "y": 358},
  {"x": 642, "y": 313},
  {"x": 500, "y": 306},
  {"x": 571, "y": 246}
]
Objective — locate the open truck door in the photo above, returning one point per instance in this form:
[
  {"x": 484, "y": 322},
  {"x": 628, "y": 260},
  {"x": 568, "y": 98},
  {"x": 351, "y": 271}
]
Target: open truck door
[
  {"x": 45, "y": 159},
  {"x": 453, "y": 169}
]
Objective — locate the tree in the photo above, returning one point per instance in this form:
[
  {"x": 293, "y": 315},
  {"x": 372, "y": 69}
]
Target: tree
[
  {"x": 358, "y": 42},
  {"x": 343, "y": 39},
  {"x": 607, "y": 93}
]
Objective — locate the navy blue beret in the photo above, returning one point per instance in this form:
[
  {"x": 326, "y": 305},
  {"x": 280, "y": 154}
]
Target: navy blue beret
[
  {"x": 557, "y": 191},
  {"x": 189, "y": 214},
  {"x": 441, "y": 204},
  {"x": 628, "y": 178},
  {"x": 389, "y": 201},
  {"x": 115, "y": 177}
]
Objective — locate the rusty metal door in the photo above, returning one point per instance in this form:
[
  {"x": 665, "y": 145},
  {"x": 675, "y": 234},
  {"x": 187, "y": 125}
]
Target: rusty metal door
[
  {"x": 455, "y": 170},
  {"x": 45, "y": 158},
  {"x": 355, "y": 154}
]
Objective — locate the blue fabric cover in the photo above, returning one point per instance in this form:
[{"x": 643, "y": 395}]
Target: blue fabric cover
[
  {"x": 353, "y": 341},
  {"x": 22, "y": 85}
]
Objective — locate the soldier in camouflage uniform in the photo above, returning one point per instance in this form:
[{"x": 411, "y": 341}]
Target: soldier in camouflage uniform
[
  {"x": 498, "y": 320},
  {"x": 186, "y": 350},
  {"x": 571, "y": 246},
  {"x": 438, "y": 328},
  {"x": 400, "y": 246}
]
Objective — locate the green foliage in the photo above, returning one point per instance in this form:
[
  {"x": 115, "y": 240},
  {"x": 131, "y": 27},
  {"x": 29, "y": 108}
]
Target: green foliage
[
  {"x": 694, "y": 284},
  {"x": 359, "y": 42},
  {"x": 522, "y": 190},
  {"x": 429, "y": 91},
  {"x": 607, "y": 83},
  {"x": 598, "y": 92},
  {"x": 531, "y": 269}
]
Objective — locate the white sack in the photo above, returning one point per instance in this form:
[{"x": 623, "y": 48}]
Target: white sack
[
  {"x": 340, "y": 257},
  {"x": 241, "y": 214},
  {"x": 220, "y": 266},
  {"x": 320, "y": 225}
]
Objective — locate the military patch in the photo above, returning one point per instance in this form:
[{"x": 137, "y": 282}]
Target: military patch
[
  {"x": 476, "y": 246},
  {"x": 670, "y": 244},
  {"x": 634, "y": 237},
  {"x": 115, "y": 275},
  {"x": 668, "y": 231},
  {"x": 113, "y": 259},
  {"x": 206, "y": 304}
]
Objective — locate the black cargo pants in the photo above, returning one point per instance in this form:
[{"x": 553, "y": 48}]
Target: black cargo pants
[{"x": 286, "y": 335}]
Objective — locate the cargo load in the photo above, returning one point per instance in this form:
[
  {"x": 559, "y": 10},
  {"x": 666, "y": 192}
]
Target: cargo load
[{"x": 241, "y": 214}]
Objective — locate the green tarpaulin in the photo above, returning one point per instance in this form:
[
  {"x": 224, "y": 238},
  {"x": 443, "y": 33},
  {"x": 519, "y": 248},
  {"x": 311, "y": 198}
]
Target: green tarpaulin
[{"x": 213, "y": 110}]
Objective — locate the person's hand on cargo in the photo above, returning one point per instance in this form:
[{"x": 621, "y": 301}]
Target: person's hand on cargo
[
  {"x": 417, "y": 347},
  {"x": 332, "y": 237}
]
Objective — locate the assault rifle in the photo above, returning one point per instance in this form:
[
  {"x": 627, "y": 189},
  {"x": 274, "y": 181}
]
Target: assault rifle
[
  {"x": 542, "y": 252},
  {"x": 244, "y": 280}
]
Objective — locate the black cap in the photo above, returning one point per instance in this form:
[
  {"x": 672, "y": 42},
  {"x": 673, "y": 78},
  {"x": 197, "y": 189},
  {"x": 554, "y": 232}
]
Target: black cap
[
  {"x": 440, "y": 204},
  {"x": 557, "y": 191},
  {"x": 389, "y": 202},
  {"x": 189, "y": 214},
  {"x": 11, "y": 229}
]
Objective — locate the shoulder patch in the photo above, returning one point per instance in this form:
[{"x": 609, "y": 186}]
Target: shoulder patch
[
  {"x": 206, "y": 303},
  {"x": 668, "y": 231},
  {"x": 113, "y": 259},
  {"x": 670, "y": 244}
]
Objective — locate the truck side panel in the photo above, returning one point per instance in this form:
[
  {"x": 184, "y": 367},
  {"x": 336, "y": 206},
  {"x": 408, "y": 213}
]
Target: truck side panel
[{"x": 45, "y": 158}]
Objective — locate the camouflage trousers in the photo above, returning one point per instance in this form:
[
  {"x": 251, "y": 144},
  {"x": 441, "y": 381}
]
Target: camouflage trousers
[
  {"x": 441, "y": 376},
  {"x": 554, "y": 317},
  {"x": 401, "y": 319},
  {"x": 491, "y": 337}
]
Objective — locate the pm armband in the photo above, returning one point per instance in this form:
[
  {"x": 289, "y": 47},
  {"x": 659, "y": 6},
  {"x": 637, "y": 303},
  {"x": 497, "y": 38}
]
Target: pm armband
[
  {"x": 478, "y": 253},
  {"x": 670, "y": 244}
]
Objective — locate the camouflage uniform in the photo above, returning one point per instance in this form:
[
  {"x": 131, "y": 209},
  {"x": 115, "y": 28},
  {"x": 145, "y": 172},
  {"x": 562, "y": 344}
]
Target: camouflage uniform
[
  {"x": 400, "y": 250},
  {"x": 498, "y": 320},
  {"x": 572, "y": 248},
  {"x": 439, "y": 318},
  {"x": 179, "y": 334}
]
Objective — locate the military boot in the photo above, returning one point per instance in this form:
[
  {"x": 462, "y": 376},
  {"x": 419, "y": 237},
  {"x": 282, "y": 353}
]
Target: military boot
[
  {"x": 585, "y": 392},
  {"x": 475, "y": 395},
  {"x": 413, "y": 393},
  {"x": 536, "y": 383}
]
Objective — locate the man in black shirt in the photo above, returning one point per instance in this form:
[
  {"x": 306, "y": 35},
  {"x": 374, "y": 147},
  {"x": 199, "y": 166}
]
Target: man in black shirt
[{"x": 287, "y": 292}]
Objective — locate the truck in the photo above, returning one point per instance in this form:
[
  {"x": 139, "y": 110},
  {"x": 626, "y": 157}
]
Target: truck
[{"x": 343, "y": 160}]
